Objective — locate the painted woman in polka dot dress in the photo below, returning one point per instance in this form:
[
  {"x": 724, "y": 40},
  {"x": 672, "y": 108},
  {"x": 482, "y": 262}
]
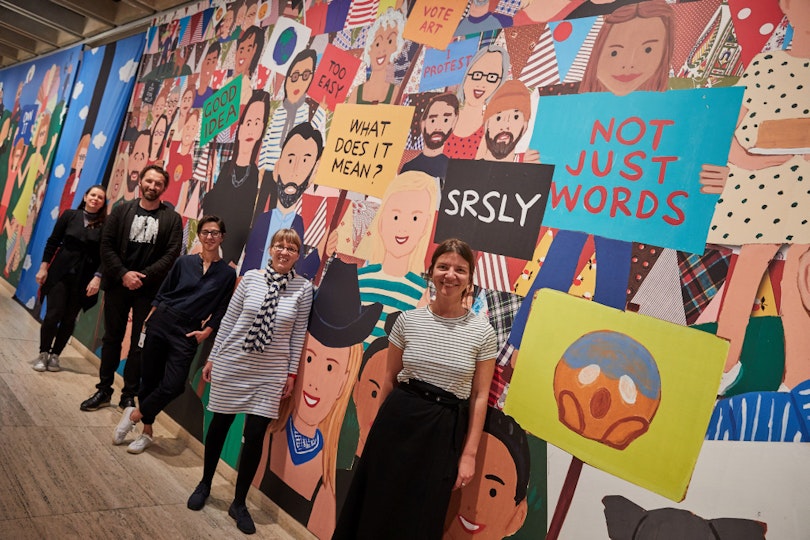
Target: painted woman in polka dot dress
[{"x": 766, "y": 199}]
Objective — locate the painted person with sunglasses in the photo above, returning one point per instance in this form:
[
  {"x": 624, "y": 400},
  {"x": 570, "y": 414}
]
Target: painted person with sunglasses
[
  {"x": 296, "y": 109},
  {"x": 188, "y": 308}
]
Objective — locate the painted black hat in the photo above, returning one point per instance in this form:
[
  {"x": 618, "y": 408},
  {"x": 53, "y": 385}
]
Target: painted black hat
[{"x": 338, "y": 319}]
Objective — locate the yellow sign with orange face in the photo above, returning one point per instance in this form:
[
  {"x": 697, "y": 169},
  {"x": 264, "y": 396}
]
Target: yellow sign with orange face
[{"x": 626, "y": 393}]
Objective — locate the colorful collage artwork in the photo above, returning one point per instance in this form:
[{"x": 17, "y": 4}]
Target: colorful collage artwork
[{"x": 646, "y": 157}]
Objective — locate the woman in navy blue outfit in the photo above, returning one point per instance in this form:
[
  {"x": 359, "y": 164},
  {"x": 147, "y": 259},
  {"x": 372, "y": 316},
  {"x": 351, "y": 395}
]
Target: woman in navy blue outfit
[{"x": 187, "y": 309}]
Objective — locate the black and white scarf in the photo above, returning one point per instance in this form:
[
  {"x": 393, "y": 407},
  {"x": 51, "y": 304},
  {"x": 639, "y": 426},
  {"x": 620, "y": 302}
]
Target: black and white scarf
[{"x": 261, "y": 332}]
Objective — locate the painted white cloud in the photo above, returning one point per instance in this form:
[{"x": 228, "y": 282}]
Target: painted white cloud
[
  {"x": 27, "y": 262},
  {"x": 32, "y": 302},
  {"x": 78, "y": 88},
  {"x": 128, "y": 70},
  {"x": 83, "y": 112},
  {"x": 99, "y": 140},
  {"x": 94, "y": 50},
  {"x": 55, "y": 212},
  {"x": 59, "y": 170}
]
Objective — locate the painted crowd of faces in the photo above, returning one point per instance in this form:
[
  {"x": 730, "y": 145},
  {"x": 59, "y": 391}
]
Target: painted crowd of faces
[{"x": 187, "y": 60}]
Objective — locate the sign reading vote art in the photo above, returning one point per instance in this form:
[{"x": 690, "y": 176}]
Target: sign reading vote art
[
  {"x": 364, "y": 147},
  {"x": 433, "y": 22},
  {"x": 495, "y": 207},
  {"x": 627, "y": 167},
  {"x": 333, "y": 77},
  {"x": 220, "y": 110}
]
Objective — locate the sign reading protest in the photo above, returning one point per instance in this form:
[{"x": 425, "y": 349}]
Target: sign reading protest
[
  {"x": 447, "y": 68},
  {"x": 495, "y": 207},
  {"x": 627, "y": 167},
  {"x": 220, "y": 110},
  {"x": 433, "y": 22},
  {"x": 362, "y": 152},
  {"x": 333, "y": 77}
]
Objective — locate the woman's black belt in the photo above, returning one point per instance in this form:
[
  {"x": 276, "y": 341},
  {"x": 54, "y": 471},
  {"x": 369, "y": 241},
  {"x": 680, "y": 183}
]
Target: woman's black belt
[{"x": 431, "y": 392}]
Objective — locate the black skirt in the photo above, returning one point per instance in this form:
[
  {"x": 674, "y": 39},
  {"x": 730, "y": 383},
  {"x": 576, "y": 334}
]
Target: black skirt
[{"x": 402, "y": 485}]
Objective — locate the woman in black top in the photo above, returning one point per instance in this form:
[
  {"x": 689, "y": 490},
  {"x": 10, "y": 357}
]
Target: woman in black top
[
  {"x": 187, "y": 309},
  {"x": 68, "y": 276}
]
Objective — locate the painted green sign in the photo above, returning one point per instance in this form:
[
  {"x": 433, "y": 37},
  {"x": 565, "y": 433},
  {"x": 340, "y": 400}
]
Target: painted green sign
[{"x": 221, "y": 110}]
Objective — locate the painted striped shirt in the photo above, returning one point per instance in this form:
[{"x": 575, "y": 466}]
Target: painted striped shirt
[
  {"x": 443, "y": 351},
  {"x": 252, "y": 382},
  {"x": 394, "y": 293}
]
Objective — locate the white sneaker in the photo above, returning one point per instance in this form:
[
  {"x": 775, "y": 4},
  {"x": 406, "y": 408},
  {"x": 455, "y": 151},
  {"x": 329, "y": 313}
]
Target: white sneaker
[
  {"x": 140, "y": 444},
  {"x": 41, "y": 362},
  {"x": 125, "y": 425},
  {"x": 53, "y": 362}
]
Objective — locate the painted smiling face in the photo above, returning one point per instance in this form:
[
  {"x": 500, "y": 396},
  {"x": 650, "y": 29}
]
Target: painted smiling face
[
  {"x": 404, "y": 220},
  {"x": 632, "y": 54},
  {"x": 483, "y": 78},
  {"x": 485, "y": 509},
  {"x": 244, "y": 54},
  {"x": 383, "y": 46},
  {"x": 321, "y": 375}
]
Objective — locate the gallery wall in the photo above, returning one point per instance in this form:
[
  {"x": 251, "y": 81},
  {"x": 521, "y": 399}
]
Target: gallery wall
[{"x": 630, "y": 174}]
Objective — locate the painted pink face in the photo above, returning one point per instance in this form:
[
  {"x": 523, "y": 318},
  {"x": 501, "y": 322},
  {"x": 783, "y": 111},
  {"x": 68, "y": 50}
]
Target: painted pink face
[
  {"x": 321, "y": 375},
  {"x": 190, "y": 130},
  {"x": 483, "y": 78},
  {"x": 253, "y": 126},
  {"x": 404, "y": 221},
  {"x": 631, "y": 56},
  {"x": 383, "y": 46},
  {"x": 187, "y": 101}
]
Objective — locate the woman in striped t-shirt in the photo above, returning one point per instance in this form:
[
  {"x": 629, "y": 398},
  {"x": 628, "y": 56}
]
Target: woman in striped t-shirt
[
  {"x": 253, "y": 365},
  {"x": 425, "y": 437}
]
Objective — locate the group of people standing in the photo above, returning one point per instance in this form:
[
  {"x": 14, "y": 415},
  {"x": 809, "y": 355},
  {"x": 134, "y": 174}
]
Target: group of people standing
[{"x": 442, "y": 356}]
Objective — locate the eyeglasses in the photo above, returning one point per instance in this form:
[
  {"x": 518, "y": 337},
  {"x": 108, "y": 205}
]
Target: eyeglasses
[
  {"x": 282, "y": 249},
  {"x": 306, "y": 74},
  {"x": 212, "y": 234},
  {"x": 478, "y": 75}
]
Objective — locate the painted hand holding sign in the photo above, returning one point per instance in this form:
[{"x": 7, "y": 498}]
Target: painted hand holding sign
[{"x": 633, "y": 175}]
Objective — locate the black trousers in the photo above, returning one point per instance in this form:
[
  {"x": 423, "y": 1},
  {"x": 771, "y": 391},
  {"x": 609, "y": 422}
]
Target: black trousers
[
  {"x": 117, "y": 303},
  {"x": 62, "y": 307},
  {"x": 165, "y": 360}
]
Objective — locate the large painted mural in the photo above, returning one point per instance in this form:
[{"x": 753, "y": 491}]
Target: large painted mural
[{"x": 632, "y": 176}]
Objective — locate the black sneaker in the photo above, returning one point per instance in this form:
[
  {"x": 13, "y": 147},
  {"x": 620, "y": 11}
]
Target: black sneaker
[
  {"x": 126, "y": 401},
  {"x": 96, "y": 401},
  {"x": 197, "y": 499},
  {"x": 243, "y": 520}
]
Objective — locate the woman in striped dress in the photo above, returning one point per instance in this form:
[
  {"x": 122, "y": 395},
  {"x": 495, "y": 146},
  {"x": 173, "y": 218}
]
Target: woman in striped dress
[{"x": 253, "y": 364}]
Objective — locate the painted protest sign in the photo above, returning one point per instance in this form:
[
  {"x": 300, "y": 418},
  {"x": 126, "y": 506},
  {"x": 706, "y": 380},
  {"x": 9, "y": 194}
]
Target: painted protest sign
[
  {"x": 487, "y": 203},
  {"x": 288, "y": 39},
  {"x": 615, "y": 390},
  {"x": 333, "y": 77},
  {"x": 221, "y": 110},
  {"x": 433, "y": 22},
  {"x": 627, "y": 167},
  {"x": 362, "y": 152},
  {"x": 447, "y": 68}
]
